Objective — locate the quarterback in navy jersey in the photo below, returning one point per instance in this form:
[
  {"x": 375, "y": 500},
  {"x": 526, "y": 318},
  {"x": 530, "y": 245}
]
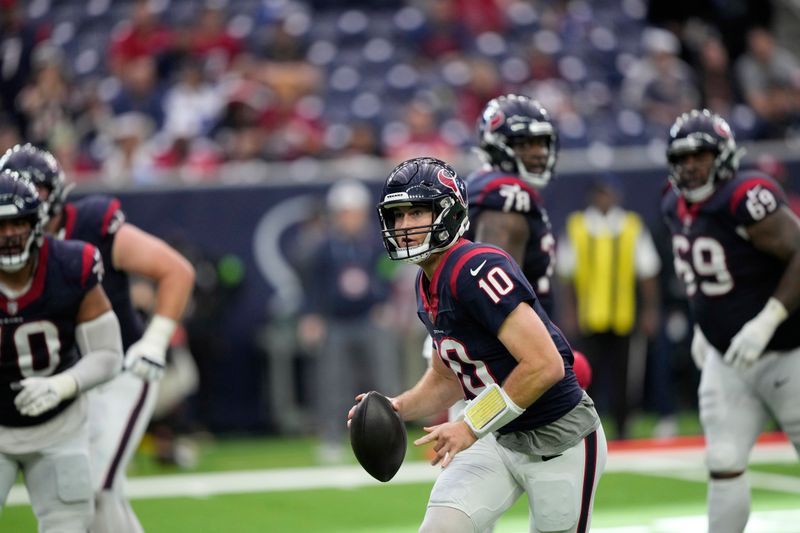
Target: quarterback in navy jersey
[
  {"x": 120, "y": 411},
  {"x": 736, "y": 247},
  {"x": 527, "y": 423},
  {"x": 51, "y": 304},
  {"x": 519, "y": 146}
]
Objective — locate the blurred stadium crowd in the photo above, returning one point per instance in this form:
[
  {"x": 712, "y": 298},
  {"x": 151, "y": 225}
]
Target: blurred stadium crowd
[{"x": 187, "y": 91}]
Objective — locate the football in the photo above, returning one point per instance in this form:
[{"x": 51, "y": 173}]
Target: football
[{"x": 378, "y": 436}]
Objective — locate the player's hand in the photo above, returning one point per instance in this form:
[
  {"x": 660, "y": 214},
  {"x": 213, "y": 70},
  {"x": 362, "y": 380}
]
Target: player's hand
[
  {"x": 748, "y": 345},
  {"x": 39, "y": 395},
  {"x": 146, "y": 359},
  {"x": 449, "y": 439},
  {"x": 700, "y": 346},
  {"x": 352, "y": 410},
  {"x": 360, "y": 397}
]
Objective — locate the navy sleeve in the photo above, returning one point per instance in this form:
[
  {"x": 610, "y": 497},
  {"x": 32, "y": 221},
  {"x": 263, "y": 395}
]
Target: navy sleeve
[{"x": 755, "y": 198}]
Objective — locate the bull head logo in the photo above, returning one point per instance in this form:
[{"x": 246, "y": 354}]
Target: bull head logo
[{"x": 449, "y": 180}]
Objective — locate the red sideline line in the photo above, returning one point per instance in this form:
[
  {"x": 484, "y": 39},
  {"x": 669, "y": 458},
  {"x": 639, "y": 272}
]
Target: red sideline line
[{"x": 677, "y": 443}]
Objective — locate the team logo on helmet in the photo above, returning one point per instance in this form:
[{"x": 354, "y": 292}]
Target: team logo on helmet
[
  {"x": 722, "y": 128},
  {"x": 495, "y": 118},
  {"x": 449, "y": 181}
]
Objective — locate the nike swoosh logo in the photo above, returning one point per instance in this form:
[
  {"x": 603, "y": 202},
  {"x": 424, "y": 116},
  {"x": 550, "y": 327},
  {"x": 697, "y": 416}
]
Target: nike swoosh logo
[
  {"x": 474, "y": 271},
  {"x": 548, "y": 457}
]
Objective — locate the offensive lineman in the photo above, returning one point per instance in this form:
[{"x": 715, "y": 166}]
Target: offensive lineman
[
  {"x": 51, "y": 303},
  {"x": 528, "y": 427},
  {"x": 121, "y": 410},
  {"x": 518, "y": 145},
  {"x": 737, "y": 247}
]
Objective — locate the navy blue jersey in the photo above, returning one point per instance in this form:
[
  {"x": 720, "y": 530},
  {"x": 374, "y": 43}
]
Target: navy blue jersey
[
  {"x": 96, "y": 219},
  {"x": 727, "y": 279},
  {"x": 498, "y": 191},
  {"x": 37, "y": 329},
  {"x": 472, "y": 292}
]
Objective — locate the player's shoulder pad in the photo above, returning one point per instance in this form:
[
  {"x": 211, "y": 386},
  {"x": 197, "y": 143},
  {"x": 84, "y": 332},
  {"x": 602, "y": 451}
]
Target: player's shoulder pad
[
  {"x": 503, "y": 191},
  {"x": 750, "y": 196},
  {"x": 476, "y": 260},
  {"x": 102, "y": 212},
  {"x": 79, "y": 262}
]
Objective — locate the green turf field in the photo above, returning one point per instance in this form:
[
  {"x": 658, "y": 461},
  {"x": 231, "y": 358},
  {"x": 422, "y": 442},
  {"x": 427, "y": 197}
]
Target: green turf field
[{"x": 639, "y": 501}]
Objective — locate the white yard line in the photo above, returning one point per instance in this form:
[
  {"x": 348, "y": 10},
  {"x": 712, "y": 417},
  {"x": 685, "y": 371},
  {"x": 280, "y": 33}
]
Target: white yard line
[{"x": 681, "y": 463}]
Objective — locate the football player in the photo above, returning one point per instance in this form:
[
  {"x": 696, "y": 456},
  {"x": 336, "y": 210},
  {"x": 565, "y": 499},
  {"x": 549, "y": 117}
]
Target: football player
[
  {"x": 528, "y": 426},
  {"x": 51, "y": 304},
  {"x": 736, "y": 246},
  {"x": 518, "y": 145},
  {"x": 121, "y": 410}
]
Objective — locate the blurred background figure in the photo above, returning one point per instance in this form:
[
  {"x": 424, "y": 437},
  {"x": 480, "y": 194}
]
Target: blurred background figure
[
  {"x": 420, "y": 135},
  {"x": 610, "y": 262},
  {"x": 770, "y": 79},
  {"x": 348, "y": 282},
  {"x": 660, "y": 84}
]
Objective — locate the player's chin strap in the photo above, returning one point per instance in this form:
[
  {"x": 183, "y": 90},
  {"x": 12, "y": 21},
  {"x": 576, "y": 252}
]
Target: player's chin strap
[{"x": 490, "y": 410}]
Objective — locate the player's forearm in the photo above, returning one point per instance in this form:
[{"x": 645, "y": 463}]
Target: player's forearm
[
  {"x": 174, "y": 290},
  {"x": 432, "y": 394},
  {"x": 788, "y": 290},
  {"x": 539, "y": 365},
  {"x": 529, "y": 381},
  {"x": 100, "y": 343}
]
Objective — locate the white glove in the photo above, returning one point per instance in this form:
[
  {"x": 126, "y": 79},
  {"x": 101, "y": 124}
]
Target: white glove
[
  {"x": 39, "y": 395},
  {"x": 147, "y": 357},
  {"x": 700, "y": 346},
  {"x": 748, "y": 345}
]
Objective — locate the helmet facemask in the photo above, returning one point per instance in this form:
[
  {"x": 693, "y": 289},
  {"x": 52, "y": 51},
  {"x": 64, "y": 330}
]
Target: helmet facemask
[
  {"x": 449, "y": 223},
  {"x": 16, "y": 250},
  {"x": 507, "y": 120},
  {"x": 702, "y": 131},
  {"x": 726, "y": 161}
]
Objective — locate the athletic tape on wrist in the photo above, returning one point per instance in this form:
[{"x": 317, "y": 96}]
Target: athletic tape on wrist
[
  {"x": 160, "y": 330},
  {"x": 775, "y": 312}
]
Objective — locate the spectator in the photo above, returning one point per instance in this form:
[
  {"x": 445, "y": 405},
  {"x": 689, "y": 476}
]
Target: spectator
[
  {"x": 130, "y": 159},
  {"x": 712, "y": 64},
  {"x": 346, "y": 288},
  {"x": 208, "y": 40},
  {"x": 20, "y": 37},
  {"x": 140, "y": 36},
  {"x": 421, "y": 136},
  {"x": 192, "y": 105},
  {"x": 141, "y": 91},
  {"x": 607, "y": 254},
  {"x": 770, "y": 79},
  {"x": 660, "y": 85},
  {"x": 46, "y": 102}
]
